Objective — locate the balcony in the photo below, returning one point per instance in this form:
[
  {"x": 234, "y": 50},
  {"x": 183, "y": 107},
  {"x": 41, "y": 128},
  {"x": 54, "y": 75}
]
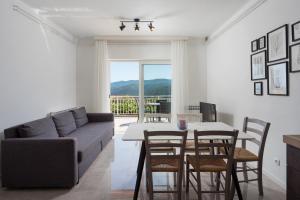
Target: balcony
[
  {"x": 128, "y": 106},
  {"x": 126, "y": 109}
]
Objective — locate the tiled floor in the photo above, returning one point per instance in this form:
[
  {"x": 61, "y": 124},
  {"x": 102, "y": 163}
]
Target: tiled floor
[{"x": 112, "y": 176}]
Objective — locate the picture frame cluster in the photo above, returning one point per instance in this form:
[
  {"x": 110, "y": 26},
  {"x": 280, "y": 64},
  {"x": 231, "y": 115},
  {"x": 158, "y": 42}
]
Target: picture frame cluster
[{"x": 272, "y": 59}]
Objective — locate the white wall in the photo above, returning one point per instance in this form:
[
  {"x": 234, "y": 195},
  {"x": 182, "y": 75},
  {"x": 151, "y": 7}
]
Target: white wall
[
  {"x": 138, "y": 51},
  {"x": 37, "y": 69},
  {"x": 229, "y": 82},
  {"x": 197, "y": 70},
  {"x": 86, "y": 67}
]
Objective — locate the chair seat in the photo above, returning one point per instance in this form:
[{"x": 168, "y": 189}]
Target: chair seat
[
  {"x": 164, "y": 164},
  {"x": 190, "y": 146},
  {"x": 243, "y": 155},
  {"x": 207, "y": 165}
]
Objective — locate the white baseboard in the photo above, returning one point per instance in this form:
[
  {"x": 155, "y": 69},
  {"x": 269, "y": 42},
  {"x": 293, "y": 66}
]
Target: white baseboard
[{"x": 271, "y": 176}]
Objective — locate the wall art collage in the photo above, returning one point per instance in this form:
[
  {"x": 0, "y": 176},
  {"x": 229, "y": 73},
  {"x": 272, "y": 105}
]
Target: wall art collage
[{"x": 273, "y": 59}]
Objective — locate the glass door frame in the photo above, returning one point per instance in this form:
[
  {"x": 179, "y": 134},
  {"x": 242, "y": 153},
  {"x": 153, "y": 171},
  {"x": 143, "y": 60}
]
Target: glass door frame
[
  {"x": 142, "y": 63},
  {"x": 141, "y": 79}
]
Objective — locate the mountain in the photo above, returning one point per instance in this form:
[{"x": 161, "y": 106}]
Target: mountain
[{"x": 152, "y": 87}]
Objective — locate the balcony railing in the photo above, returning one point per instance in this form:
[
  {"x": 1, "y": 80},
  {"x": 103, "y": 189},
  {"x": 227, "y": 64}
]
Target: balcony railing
[{"x": 129, "y": 105}]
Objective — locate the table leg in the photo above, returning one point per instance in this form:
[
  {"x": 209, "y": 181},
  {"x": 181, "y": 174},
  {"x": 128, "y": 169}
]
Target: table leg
[
  {"x": 235, "y": 178},
  {"x": 139, "y": 171},
  {"x": 236, "y": 182}
]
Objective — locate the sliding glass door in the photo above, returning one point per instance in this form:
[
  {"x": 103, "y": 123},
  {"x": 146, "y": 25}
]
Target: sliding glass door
[
  {"x": 155, "y": 90},
  {"x": 141, "y": 89}
]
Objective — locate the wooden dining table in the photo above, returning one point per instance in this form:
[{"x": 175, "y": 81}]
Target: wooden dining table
[{"x": 135, "y": 132}]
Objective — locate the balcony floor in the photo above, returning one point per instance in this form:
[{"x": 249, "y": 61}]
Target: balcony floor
[{"x": 122, "y": 123}]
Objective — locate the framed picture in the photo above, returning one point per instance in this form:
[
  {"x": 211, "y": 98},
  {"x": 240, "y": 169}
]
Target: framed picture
[
  {"x": 278, "y": 79},
  {"x": 278, "y": 44},
  {"x": 295, "y": 58},
  {"x": 296, "y": 31},
  {"x": 258, "y": 88},
  {"x": 254, "y": 46},
  {"x": 258, "y": 66},
  {"x": 262, "y": 42}
]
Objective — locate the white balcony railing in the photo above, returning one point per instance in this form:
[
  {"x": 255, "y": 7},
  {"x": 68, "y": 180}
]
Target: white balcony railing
[{"x": 129, "y": 105}]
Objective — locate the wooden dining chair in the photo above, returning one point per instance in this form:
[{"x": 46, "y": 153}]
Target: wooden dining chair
[
  {"x": 190, "y": 144},
  {"x": 241, "y": 155},
  {"x": 164, "y": 163},
  {"x": 215, "y": 163}
]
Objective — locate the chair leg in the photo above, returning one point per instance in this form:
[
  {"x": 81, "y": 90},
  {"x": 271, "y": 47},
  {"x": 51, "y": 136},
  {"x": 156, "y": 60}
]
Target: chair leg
[
  {"x": 187, "y": 179},
  {"x": 147, "y": 179},
  {"x": 232, "y": 188},
  {"x": 174, "y": 153},
  {"x": 212, "y": 152},
  {"x": 212, "y": 178},
  {"x": 245, "y": 171},
  {"x": 218, "y": 179},
  {"x": 150, "y": 185},
  {"x": 260, "y": 179},
  {"x": 227, "y": 186},
  {"x": 199, "y": 186},
  {"x": 183, "y": 176},
  {"x": 175, "y": 179},
  {"x": 179, "y": 184}
]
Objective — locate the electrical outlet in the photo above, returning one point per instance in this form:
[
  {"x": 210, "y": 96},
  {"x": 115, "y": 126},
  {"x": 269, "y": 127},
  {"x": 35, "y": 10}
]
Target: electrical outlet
[{"x": 277, "y": 161}]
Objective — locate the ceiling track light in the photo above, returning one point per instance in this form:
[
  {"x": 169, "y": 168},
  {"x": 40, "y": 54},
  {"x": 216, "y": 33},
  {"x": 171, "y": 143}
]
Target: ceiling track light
[
  {"x": 151, "y": 27},
  {"x": 136, "y": 28},
  {"x": 137, "y": 21},
  {"x": 122, "y": 26}
]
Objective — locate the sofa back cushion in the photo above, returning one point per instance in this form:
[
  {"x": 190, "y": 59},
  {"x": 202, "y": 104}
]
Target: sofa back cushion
[
  {"x": 42, "y": 128},
  {"x": 65, "y": 123},
  {"x": 80, "y": 116}
]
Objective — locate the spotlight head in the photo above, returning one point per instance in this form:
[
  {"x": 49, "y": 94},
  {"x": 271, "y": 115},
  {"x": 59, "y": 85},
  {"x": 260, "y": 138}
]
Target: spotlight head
[
  {"x": 122, "y": 26},
  {"x": 136, "y": 28},
  {"x": 151, "y": 27}
]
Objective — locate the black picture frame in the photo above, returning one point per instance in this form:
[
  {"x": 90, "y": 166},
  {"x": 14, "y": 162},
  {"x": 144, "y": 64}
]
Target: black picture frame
[
  {"x": 291, "y": 53},
  {"x": 265, "y": 64},
  {"x": 254, "y": 46},
  {"x": 286, "y": 47},
  {"x": 260, "y": 85},
  {"x": 294, "y": 39},
  {"x": 263, "y": 38},
  {"x": 286, "y": 76}
]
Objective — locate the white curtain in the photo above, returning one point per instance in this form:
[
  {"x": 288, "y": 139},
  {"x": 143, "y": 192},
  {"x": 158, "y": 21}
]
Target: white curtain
[
  {"x": 180, "y": 87},
  {"x": 102, "y": 78}
]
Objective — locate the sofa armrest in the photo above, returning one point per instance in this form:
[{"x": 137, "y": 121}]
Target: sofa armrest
[
  {"x": 28, "y": 162},
  {"x": 100, "y": 117}
]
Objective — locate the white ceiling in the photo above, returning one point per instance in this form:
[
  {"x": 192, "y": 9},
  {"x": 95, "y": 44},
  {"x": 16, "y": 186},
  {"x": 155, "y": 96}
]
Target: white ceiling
[{"x": 85, "y": 18}]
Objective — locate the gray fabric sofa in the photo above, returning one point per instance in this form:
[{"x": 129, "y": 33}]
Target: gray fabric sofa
[{"x": 54, "y": 151}]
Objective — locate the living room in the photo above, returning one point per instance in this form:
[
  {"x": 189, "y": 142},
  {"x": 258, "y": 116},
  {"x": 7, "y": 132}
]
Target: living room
[{"x": 69, "y": 129}]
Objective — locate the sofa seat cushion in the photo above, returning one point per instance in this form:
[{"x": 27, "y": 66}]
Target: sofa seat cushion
[
  {"x": 65, "y": 123},
  {"x": 80, "y": 116},
  {"x": 90, "y": 136},
  {"x": 42, "y": 128}
]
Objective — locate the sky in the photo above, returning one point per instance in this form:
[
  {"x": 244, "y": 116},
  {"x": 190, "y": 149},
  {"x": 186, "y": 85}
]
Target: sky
[{"x": 124, "y": 71}]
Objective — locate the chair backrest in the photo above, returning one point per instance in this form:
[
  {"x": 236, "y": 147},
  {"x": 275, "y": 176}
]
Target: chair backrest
[
  {"x": 261, "y": 129},
  {"x": 159, "y": 101},
  {"x": 164, "y": 107},
  {"x": 209, "y": 112},
  {"x": 212, "y": 139},
  {"x": 163, "y": 139}
]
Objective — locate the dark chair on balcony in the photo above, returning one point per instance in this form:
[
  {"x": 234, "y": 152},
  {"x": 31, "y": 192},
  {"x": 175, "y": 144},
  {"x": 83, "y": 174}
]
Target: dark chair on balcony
[
  {"x": 209, "y": 112},
  {"x": 165, "y": 108}
]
